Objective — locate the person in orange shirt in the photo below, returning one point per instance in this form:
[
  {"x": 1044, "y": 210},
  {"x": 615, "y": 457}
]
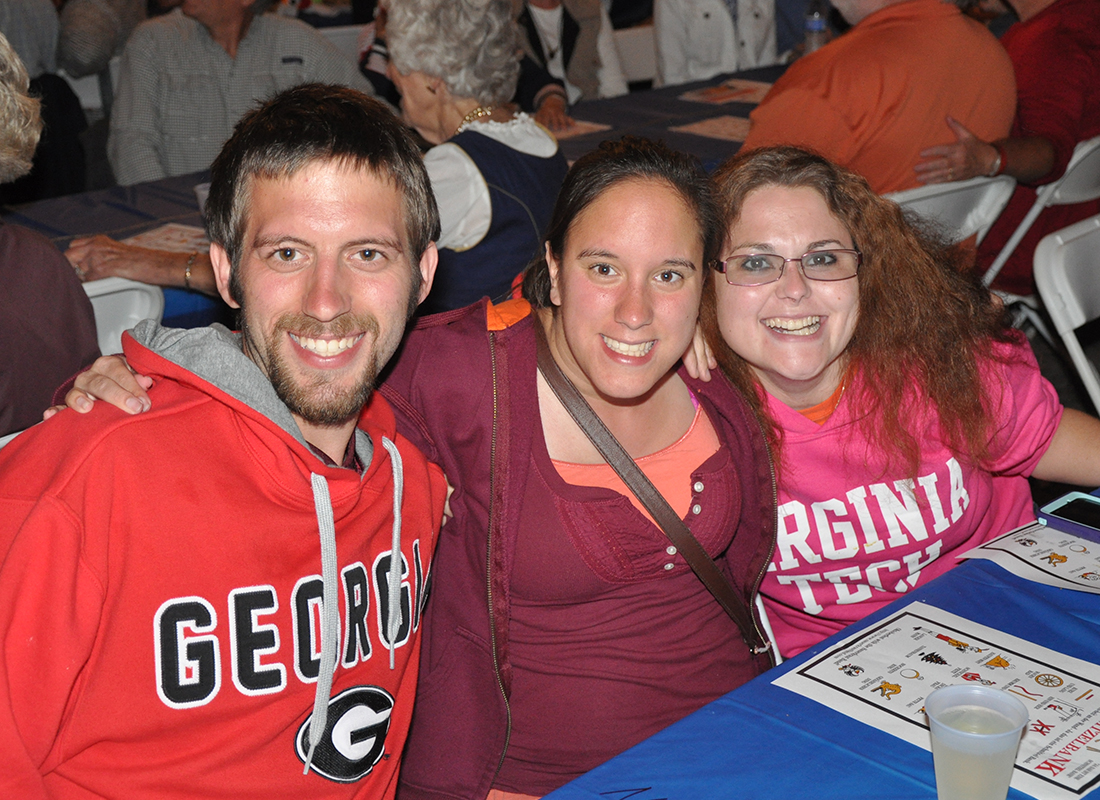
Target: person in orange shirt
[{"x": 873, "y": 98}]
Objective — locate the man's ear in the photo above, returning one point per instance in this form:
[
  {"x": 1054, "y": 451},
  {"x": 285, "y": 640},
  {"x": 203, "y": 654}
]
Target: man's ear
[
  {"x": 428, "y": 262},
  {"x": 554, "y": 268},
  {"x": 219, "y": 260}
]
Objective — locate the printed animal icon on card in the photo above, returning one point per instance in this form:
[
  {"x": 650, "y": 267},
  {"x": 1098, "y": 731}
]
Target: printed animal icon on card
[{"x": 887, "y": 690}]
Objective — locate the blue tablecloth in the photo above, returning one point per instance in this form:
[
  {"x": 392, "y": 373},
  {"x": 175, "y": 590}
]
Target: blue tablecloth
[
  {"x": 652, "y": 114},
  {"x": 121, "y": 212},
  {"x": 764, "y": 742}
]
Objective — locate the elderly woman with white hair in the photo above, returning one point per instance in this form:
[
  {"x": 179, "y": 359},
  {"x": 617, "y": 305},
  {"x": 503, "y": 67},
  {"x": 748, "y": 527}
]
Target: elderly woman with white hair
[
  {"x": 495, "y": 173},
  {"x": 47, "y": 329}
]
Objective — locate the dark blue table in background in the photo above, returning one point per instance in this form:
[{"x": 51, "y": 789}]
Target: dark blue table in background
[
  {"x": 121, "y": 212},
  {"x": 653, "y": 113},
  {"x": 762, "y": 742},
  {"x": 124, "y": 211}
]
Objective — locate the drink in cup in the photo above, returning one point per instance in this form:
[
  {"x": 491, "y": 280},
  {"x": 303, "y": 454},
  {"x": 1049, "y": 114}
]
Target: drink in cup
[{"x": 975, "y": 734}]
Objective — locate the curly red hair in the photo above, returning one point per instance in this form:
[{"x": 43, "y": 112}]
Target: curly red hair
[{"x": 925, "y": 322}]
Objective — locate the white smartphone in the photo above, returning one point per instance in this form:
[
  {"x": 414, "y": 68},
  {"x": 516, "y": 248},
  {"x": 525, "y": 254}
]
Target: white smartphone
[{"x": 1077, "y": 513}]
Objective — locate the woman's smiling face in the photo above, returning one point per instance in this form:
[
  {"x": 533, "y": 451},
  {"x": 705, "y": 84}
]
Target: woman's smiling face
[
  {"x": 627, "y": 290},
  {"x": 793, "y": 332}
]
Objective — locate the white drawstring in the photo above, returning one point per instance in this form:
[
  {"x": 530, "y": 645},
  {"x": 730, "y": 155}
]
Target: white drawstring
[
  {"x": 330, "y": 615},
  {"x": 394, "y": 618}
]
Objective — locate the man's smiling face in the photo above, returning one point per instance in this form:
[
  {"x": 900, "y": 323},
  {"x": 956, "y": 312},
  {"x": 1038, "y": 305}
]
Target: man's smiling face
[{"x": 325, "y": 286}]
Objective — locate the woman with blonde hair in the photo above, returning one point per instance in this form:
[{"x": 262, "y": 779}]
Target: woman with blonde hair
[
  {"x": 905, "y": 415},
  {"x": 47, "y": 328},
  {"x": 20, "y": 120}
]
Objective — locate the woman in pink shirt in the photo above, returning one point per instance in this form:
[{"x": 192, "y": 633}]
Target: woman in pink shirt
[{"x": 905, "y": 414}]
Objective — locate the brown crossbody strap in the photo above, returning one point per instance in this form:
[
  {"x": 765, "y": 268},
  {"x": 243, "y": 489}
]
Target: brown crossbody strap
[{"x": 674, "y": 528}]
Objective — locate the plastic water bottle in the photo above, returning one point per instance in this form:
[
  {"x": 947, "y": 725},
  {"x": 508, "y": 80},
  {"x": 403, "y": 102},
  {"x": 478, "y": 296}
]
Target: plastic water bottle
[{"x": 817, "y": 13}]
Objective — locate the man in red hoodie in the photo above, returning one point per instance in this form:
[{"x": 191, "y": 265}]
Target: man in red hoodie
[{"x": 222, "y": 596}]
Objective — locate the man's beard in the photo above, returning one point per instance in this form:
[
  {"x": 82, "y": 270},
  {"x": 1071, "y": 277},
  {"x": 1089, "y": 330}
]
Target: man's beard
[{"x": 316, "y": 400}]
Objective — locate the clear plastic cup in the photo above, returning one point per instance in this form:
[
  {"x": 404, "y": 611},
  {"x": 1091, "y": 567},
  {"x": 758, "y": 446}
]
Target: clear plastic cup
[{"x": 975, "y": 734}]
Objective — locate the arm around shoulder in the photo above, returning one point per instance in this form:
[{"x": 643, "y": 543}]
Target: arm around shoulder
[{"x": 109, "y": 379}]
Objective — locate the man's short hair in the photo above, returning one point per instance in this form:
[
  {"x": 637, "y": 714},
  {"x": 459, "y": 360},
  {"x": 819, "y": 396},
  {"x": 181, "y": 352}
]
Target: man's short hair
[{"x": 310, "y": 123}]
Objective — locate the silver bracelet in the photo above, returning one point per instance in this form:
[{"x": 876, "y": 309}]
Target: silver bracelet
[{"x": 187, "y": 270}]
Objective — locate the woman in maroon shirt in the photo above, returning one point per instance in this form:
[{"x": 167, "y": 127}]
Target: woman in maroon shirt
[{"x": 561, "y": 628}]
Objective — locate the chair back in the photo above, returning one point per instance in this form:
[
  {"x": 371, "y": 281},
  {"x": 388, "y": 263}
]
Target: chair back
[
  {"x": 1067, "y": 273},
  {"x": 962, "y": 208},
  {"x": 1078, "y": 184},
  {"x": 1081, "y": 181},
  {"x": 119, "y": 305}
]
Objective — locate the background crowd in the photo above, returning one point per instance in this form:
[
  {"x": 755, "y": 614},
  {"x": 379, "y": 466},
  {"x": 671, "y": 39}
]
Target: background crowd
[{"x": 869, "y": 411}]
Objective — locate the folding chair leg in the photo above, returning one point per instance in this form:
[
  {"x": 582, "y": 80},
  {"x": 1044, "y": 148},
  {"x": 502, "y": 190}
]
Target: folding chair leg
[{"x": 1014, "y": 240}]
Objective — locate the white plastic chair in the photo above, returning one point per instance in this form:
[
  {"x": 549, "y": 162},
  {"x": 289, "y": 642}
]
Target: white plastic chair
[
  {"x": 120, "y": 304},
  {"x": 1067, "y": 272},
  {"x": 964, "y": 208},
  {"x": 970, "y": 208},
  {"x": 1079, "y": 183}
]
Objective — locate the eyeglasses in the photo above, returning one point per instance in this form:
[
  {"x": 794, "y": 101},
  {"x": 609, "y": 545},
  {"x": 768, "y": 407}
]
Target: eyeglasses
[{"x": 757, "y": 269}]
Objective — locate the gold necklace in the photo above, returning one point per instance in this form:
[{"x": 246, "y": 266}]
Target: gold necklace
[{"x": 477, "y": 113}]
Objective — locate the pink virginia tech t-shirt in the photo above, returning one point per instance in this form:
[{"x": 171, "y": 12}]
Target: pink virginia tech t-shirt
[{"x": 853, "y": 537}]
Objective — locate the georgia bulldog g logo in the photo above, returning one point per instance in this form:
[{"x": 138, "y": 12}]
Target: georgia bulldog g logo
[{"x": 355, "y": 736}]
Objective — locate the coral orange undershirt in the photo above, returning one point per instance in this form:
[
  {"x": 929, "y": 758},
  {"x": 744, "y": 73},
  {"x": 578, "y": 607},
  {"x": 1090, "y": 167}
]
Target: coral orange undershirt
[
  {"x": 823, "y": 410},
  {"x": 669, "y": 470}
]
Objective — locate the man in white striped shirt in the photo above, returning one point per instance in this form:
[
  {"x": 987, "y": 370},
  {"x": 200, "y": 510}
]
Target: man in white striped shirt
[{"x": 187, "y": 77}]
